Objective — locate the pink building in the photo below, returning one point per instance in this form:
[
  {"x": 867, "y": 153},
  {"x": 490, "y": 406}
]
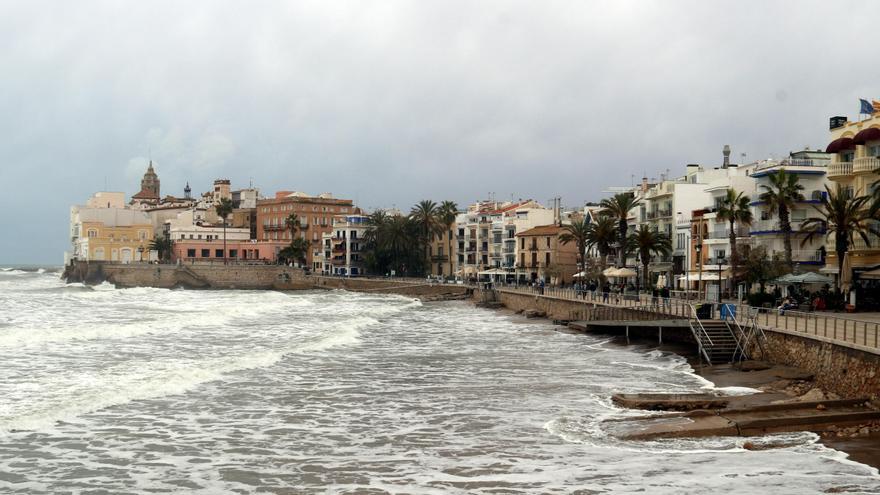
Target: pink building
[{"x": 200, "y": 250}]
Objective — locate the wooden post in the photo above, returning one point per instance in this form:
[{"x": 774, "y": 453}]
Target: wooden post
[{"x": 660, "y": 334}]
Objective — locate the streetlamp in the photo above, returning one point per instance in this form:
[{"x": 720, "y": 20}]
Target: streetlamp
[
  {"x": 699, "y": 248},
  {"x": 638, "y": 275},
  {"x": 719, "y": 261},
  {"x": 140, "y": 253}
]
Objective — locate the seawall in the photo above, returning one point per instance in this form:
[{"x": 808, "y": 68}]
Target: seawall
[{"x": 255, "y": 277}]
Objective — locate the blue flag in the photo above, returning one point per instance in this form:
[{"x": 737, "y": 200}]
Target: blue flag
[{"x": 867, "y": 108}]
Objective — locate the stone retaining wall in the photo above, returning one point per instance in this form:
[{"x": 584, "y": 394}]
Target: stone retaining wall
[
  {"x": 846, "y": 371},
  {"x": 189, "y": 276}
]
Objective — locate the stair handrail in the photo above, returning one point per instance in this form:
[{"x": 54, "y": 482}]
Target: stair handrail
[
  {"x": 701, "y": 348},
  {"x": 742, "y": 338}
]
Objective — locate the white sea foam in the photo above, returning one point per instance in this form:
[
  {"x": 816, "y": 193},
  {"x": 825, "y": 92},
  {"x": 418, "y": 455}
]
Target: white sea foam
[{"x": 132, "y": 390}]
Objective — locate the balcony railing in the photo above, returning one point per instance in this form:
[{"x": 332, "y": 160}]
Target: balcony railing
[
  {"x": 865, "y": 165},
  {"x": 270, "y": 228},
  {"x": 439, "y": 257},
  {"x": 806, "y": 255},
  {"x": 774, "y": 226},
  {"x": 840, "y": 169}
]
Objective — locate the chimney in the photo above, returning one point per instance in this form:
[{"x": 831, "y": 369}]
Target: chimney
[
  {"x": 726, "y": 153},
  {"x": 644, "y": 185}
]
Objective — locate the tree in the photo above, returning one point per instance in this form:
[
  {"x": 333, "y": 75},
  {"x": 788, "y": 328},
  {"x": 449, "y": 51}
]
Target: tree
[
  {"x": 578, "y": 231},
  {"x": 448, "y": 212},
  {"x": 647, "y": 242},
  {"x": 163, "y": 245},
  {"x": 392, "y": 242},
  {"x": 293, "y": 224},
  {"x": 844, "y": 216},
  {"x": 780, "y": 197},
  {"x": 734, "y": 208},
  {"x": 223, "y": 209},
  {"x": 602, "y": 235},
  {"x": 426, "y": 215},
  {"x": 296, "y": 251},
  {"x": 618, "y": 207},
  {"x": 759, "y": 268}
]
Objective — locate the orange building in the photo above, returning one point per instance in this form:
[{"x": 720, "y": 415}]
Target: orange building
[
  {"x": 315, "y": 214},
  {"x": 542, "y": 255}
]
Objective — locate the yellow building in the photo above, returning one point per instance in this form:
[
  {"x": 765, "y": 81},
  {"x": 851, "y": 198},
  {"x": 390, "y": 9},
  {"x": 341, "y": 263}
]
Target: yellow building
[
  {"x": 108, "y": 233},
  {"x": 856, "y": 160}
]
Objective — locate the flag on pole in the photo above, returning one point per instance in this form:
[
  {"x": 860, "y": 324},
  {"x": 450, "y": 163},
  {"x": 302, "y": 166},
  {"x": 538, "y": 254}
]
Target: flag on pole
[{"x": 867, "y": 108}]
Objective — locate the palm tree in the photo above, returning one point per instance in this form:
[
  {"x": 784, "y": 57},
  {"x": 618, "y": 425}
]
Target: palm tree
[
  {"x": 223, "y": 209},
  {"x": 734, "y": 208},
  {"x": 163, "y": 245},
  {"x": 425, "y": 214},
  {"x": 578, "y": 231},
  {"x": 292, "y": 223},
  {"x": 844, "y": 216},
  {"x": 618, "y": 207},
  {"x": 448, "y": 212},
  {"x": 780, "y": 197},
  {"x": 647, "y": 242},
  {"x": 603, "y": 234}
]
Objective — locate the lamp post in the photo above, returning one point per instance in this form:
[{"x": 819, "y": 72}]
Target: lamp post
[
  {"x": 141, "y": 253},
  {"x": 638, "y": 276},
  {"x": 699, "y": 248},
  {"x": 719, "y": 261}
]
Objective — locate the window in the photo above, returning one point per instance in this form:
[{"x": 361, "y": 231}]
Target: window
[
  {"x": 190, "y": 253},
  {"x": 233, "y": 253},
  {"x": 93, "y": 233},
  {"x": 548, "y": 242},
  {"x": 142, "y": 234},
  {"x": 874, "y": 150},
  {"x": 206, "y": 253},
  {"x": 218, "y": 253},
  {"x": 546, "y": 259},
  {"x": 522, "y": 242}
]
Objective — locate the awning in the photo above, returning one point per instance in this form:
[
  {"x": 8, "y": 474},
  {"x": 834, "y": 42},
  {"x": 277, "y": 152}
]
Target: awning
[
  {"x": 839, "y": 145},
  {"x": 872, "y": 275},
  {"x": 865, "y": 135}
]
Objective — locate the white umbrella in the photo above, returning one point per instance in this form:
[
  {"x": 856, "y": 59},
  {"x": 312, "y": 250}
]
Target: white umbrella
[
  {"x": 579, "y": 275},
  {"x": 610, "y": 272},
  {"x": 625, "y": 272}
]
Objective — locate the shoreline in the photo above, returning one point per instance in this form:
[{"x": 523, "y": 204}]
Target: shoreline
[{"x": 860, "y": 448}]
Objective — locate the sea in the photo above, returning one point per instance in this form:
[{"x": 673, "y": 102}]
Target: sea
[{"x": 114, "y": 391}]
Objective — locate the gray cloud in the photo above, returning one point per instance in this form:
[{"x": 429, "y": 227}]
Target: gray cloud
[{"x": 392, "y": 102}]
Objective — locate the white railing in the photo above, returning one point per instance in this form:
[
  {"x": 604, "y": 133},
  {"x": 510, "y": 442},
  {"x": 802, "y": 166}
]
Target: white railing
[
  {"x": 865, "y": 165},
  {"x": 840, "y": 168}
]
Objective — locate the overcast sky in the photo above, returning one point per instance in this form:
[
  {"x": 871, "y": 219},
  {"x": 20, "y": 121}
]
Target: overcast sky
[{"x": 391, "y": 102}]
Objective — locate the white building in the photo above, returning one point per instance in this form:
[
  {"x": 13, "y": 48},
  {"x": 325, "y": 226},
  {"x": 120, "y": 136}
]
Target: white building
[{"x": 343, "y": 248}]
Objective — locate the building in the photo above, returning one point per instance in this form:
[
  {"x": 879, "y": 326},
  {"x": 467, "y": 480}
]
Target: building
[
  {"x": 811, "y": 168},
  {"x": 315, "y": 214},
  {"x": 101, "y": 230},
  {"x": 486, "y": 236},
  {"x": 543, "y": 256},
  {"x": 196, "y": 240},
  {"x": 343, "y": 247},
  {"x": 855, "y": 161},
  {"x": 149, "y": 193}
]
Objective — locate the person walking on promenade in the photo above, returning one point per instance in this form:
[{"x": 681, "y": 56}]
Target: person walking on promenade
[{"x": 605, "y": 290}]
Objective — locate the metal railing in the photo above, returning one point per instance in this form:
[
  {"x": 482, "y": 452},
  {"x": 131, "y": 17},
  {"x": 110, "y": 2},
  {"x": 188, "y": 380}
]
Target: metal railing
[{"x": 828, "y": 326}]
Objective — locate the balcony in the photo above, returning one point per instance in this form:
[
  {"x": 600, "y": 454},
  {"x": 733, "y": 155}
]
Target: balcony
[
  {"x": 865, "y": 165},
  {"x": 533, "y": 247},
  {"x": 840, "y": 169},
  {"x": 270, "y": 228},
  {"x": 773, "y": 227},
  {"x": 439, "y": 258},
  {"x": 664, "y": 213},
  {"x": 807, "y": 256}
]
